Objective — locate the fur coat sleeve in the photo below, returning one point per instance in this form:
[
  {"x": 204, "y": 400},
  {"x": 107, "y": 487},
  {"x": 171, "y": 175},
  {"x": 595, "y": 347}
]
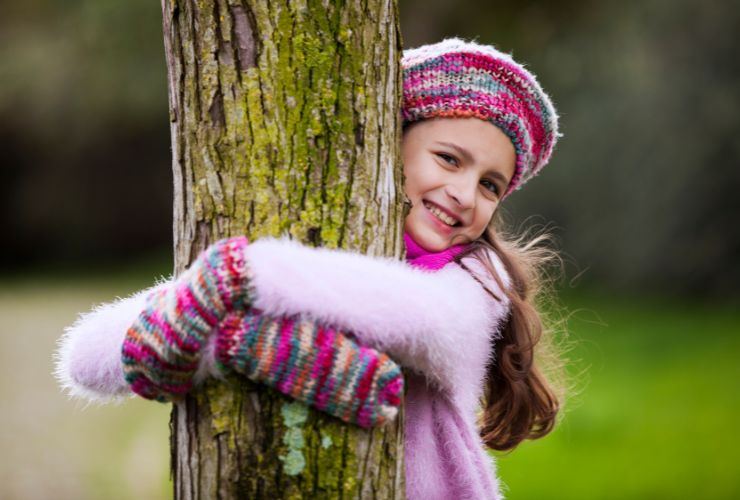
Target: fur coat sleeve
[
  {"x": 87, "y": 362},
  {"x": 440, "y": 324}
]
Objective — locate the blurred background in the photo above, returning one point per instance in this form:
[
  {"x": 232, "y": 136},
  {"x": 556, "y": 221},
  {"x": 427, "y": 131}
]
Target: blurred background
[{"x": 642, "y": 195}]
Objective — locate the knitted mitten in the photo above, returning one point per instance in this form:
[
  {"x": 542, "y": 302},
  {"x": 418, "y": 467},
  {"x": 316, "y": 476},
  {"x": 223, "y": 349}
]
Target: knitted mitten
[
  {"x": 319, "y": 366},
  {"x": 162, "y": 348}
]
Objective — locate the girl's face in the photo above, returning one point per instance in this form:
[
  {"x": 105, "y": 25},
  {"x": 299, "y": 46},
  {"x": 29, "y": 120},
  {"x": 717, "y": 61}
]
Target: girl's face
[{"x": 456, "y": 170}]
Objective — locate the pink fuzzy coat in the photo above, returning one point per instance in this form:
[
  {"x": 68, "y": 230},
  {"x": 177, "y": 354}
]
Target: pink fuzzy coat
[{"x": 440, "y": 324}]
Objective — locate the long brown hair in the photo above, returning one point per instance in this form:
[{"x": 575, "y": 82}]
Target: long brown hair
[{"x": 525, "y": 383}]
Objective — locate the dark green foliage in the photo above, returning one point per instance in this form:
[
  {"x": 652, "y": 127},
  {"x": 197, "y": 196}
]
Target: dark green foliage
[{"x": 642, "y": 188}]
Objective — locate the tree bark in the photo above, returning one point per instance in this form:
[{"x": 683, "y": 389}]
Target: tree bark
[{"x": 284, "y": 120}]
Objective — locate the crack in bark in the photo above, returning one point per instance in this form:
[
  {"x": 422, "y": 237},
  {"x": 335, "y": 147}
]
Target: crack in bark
[
  {"x": 173, "y": 445},
  {"x": 366, "y": 461},
  {"x": 216, "y": 111},
  {"x": 345, "y": 447},
  {"x": 218, "y": 466},
  {"x": 246, "y": 45},
  {"x": 196, "y": 62}
]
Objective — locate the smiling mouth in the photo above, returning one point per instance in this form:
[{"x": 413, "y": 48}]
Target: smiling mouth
[{"x": 439, "y": 214}]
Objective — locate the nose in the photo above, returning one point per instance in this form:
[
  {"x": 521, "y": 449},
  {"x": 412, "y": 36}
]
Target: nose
[{"x": 462, "y": 192}]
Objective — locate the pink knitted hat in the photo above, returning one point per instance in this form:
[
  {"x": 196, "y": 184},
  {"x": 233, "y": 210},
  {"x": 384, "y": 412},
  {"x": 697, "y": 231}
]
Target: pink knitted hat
[{"x": 463, "y": 79}]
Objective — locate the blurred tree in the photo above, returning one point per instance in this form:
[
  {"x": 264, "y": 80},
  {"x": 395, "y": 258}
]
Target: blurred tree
[
  {"x": 284, "y": 120},
  {"x": 84, "y": 134}
]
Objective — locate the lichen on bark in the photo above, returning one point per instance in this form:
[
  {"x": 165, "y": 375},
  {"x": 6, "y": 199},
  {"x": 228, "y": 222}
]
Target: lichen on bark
[{"x": 294, "y": 416}]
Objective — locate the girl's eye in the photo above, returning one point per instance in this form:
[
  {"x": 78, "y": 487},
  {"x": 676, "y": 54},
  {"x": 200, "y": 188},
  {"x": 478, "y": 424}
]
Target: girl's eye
[
  {"x": 448, "y": 158},
  {"x": 491, "y": 186}
]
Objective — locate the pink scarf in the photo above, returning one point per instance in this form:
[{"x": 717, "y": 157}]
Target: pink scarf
[{"x": 419, "y": 257}]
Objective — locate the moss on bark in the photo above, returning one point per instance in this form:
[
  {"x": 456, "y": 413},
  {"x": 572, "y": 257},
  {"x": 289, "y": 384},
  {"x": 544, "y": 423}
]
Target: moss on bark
[{"x": 284, "y": 121}]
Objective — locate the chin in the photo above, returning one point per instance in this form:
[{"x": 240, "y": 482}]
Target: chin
[
  {"x": 430, "y": 242},
  {"x": 424, "y": 236}
]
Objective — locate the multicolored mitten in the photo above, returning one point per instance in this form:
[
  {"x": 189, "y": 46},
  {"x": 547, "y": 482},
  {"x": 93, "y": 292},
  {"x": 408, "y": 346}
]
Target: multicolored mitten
[
  {"x": 162, "y": 348},
  {"x": 321, "y": 367}
]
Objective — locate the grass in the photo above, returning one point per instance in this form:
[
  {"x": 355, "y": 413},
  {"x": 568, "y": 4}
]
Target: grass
[
  {"x": 656, "y": 410},
  {"x": 654, "y": 416},
  {"x": 57, "y": 448}
]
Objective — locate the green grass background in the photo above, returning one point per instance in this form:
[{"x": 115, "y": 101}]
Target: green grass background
[
  {"x": 656, "y": 412},
  {"x": 654, "y": 415}
]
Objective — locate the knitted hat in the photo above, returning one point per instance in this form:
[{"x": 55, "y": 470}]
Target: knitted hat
[{"x": 464, "y": 79}]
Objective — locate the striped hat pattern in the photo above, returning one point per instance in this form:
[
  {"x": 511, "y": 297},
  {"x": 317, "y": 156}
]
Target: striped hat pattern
[{"x": 455, "y": 78}]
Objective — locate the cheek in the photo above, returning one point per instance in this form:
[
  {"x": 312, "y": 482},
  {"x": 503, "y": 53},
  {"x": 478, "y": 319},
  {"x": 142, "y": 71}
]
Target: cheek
[
  {"x": 414, "y": 179},
  {"x": 483, "y": 216}
]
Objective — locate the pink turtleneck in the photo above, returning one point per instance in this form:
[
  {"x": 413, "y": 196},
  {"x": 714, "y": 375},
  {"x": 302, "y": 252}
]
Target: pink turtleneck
[{"x": 419, "y": 257}]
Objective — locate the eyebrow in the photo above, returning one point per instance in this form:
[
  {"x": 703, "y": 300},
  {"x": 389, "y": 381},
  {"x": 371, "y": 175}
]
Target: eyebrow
[{"x": 467, "y": 156}]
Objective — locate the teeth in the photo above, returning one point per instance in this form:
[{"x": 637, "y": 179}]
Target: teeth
[{"x": 441, "y": 215}]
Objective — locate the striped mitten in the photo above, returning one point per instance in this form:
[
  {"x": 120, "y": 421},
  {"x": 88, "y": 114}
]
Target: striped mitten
[
  {"x": 162, "y": 348},
  {"x": 318, "y": 366}
]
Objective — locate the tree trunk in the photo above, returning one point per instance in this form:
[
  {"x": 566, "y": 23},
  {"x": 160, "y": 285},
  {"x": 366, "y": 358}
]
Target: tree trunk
[{"x": 284, "y": 119}]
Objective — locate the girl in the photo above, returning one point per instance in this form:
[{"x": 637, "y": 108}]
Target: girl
[{"x": 477, "y": 126}]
